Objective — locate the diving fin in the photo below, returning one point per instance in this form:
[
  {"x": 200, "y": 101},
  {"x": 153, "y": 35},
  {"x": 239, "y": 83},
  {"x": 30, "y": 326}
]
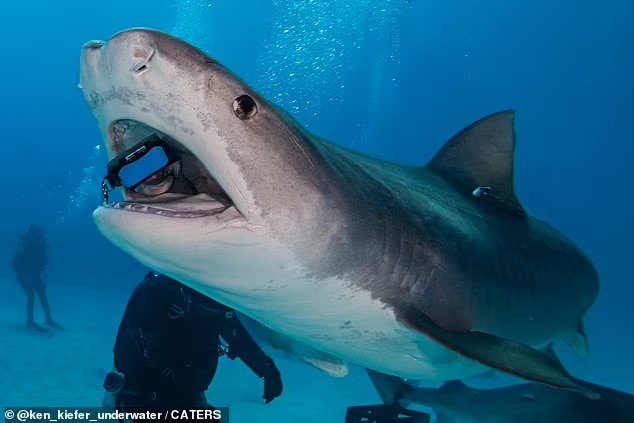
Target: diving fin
[{"x": 503, "y": 354}]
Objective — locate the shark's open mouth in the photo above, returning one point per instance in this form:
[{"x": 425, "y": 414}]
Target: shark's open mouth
[{"x": 185, "y": 189}]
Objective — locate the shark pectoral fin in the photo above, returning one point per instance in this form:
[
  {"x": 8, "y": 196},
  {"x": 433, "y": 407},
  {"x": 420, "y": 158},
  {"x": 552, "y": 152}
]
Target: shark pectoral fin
[
  {"x": 503, "y": 354},
  {"x": 578, "y": 341}
]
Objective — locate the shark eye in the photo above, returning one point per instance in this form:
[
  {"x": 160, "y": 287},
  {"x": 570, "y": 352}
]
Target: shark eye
[{"x": 244, "y": 107}]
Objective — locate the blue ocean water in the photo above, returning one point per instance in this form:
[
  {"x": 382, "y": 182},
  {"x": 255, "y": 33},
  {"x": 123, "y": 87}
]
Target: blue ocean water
[{"x": 389, "y": 78}]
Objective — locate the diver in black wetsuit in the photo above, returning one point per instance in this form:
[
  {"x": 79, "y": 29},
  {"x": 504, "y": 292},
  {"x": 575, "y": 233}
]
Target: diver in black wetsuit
[
  {"x": 29, "y": 261},
  {"x": 167, "y": 348}
]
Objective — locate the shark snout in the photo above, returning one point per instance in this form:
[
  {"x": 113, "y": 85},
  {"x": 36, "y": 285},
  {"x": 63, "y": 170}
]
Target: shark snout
[
  {"x": 91, "y": 53},
  {"x": 130, "y": 51}
]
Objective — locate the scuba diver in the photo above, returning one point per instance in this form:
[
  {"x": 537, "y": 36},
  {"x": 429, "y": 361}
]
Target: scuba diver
[
  {"x": 168, "y": 344},
  {"x": 29, "y": 261}
]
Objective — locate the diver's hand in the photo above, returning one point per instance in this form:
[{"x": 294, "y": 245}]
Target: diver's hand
[{"x": 272, "y": 383}]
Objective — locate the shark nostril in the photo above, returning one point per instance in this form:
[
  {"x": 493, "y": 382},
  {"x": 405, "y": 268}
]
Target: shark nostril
[
  {"x": 142, "y": 65},
  {"x": 140, "y": 68}
]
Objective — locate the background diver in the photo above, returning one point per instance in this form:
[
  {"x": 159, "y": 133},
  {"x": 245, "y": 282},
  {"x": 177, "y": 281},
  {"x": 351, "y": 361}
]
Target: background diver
[
  {"x": 168, "y": 344},
  {"x": 29, "y": 261}
]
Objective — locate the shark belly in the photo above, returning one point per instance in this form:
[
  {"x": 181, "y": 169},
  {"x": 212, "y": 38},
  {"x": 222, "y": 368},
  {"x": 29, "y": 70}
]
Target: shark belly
[
  {"x": 328, "y": 314},
  {"x": 350, "y": 325}
]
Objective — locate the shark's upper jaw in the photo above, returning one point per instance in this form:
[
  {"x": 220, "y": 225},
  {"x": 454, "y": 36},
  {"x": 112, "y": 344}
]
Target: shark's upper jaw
[
  {"x": 183, "y": 190},
  {"x": 123, "y": 81}
]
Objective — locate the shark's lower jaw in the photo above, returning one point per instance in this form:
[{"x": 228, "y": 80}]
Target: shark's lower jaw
[{"x": 183, "y": 190}]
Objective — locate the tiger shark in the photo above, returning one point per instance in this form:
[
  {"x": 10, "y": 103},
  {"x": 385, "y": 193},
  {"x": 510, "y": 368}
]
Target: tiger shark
[
  {"x": 429, "y": 272},
  {"x": 455, "y": 402}
]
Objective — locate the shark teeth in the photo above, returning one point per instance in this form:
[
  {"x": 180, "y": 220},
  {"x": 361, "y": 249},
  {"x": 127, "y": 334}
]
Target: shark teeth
[
  {"x": 148, "y": 209},
  {"x": 177, "y": 205}
]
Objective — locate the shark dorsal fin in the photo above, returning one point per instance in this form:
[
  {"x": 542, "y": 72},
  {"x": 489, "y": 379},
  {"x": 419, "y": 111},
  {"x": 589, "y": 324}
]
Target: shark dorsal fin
[{"x": 481, "y": 155}]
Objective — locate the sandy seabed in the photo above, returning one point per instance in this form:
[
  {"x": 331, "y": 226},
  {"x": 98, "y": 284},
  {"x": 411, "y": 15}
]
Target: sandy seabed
[{"x": 66, "y": 368}]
